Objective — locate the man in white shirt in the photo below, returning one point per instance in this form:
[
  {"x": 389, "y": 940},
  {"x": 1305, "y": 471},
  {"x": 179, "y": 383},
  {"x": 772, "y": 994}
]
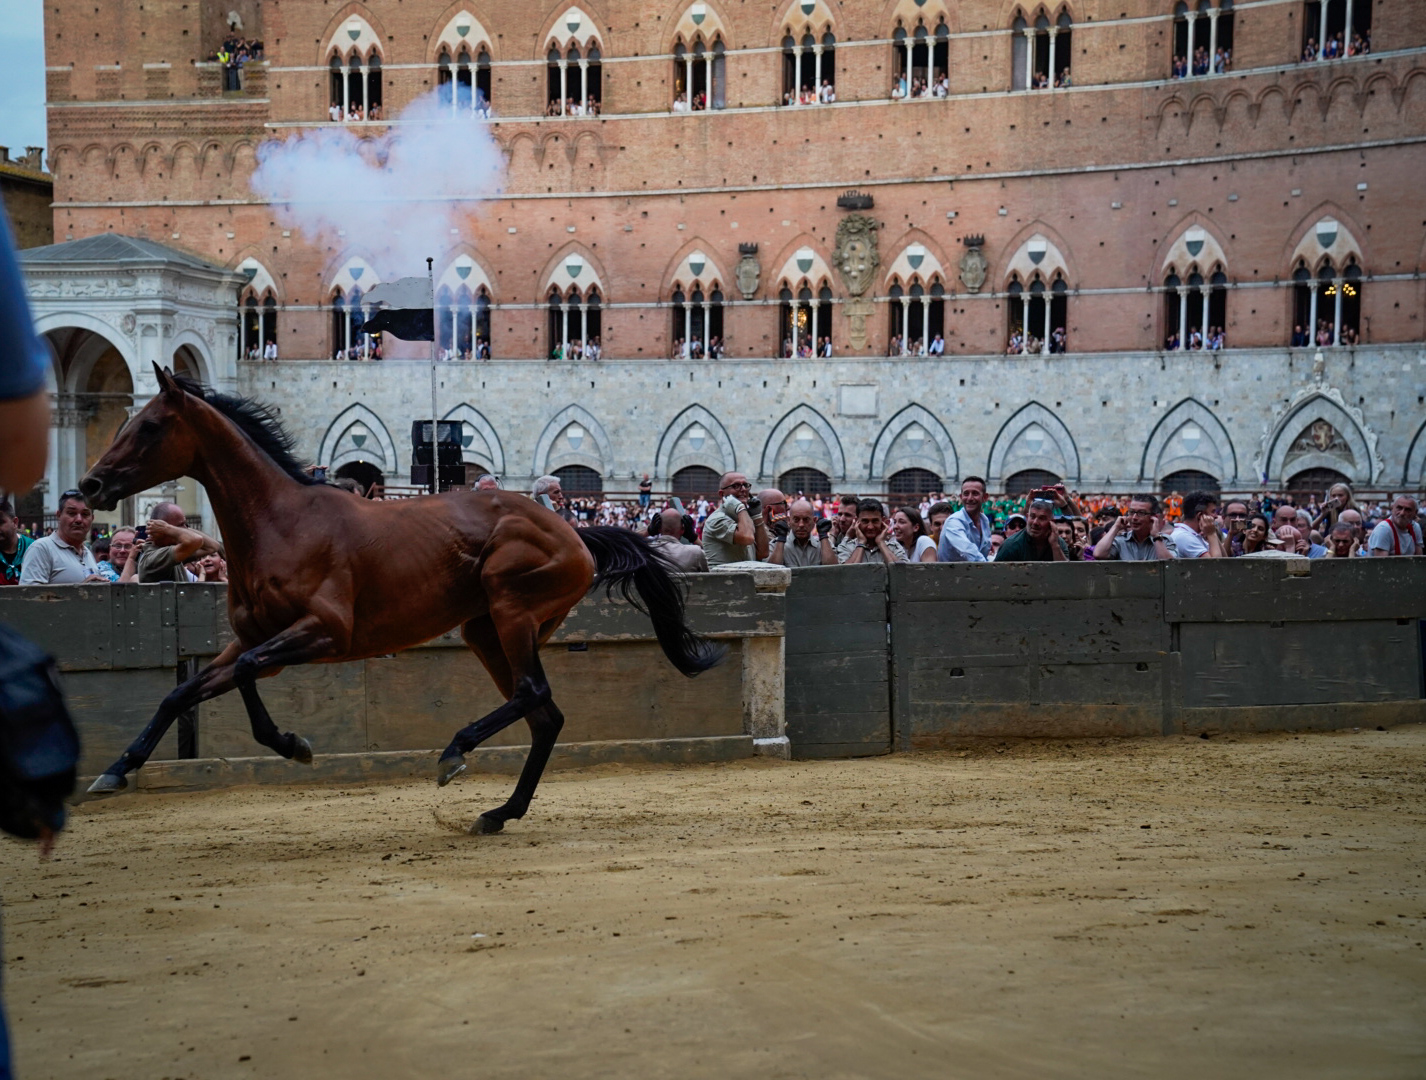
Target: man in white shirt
[
  {"x": 1399, "y": 534},
  {"x": 1196, "y": 536},
  {"x": 63, "y": 558},
  {"x": 965, "y": 537}
]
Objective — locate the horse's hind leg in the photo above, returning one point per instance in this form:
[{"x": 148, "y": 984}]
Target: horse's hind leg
[
  {"x": 290, "y": 746},
  {"x": 545, "y": 723},
  {"x": 215, "y": 679},
  {"x": 522, "y": 692}
]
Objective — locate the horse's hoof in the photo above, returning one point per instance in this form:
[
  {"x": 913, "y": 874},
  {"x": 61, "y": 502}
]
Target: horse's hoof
[
  {"x": 485, "y": 825},
  {"x": 301, "y": 750},
  {"x": 108, "y": 784},
  {"x": 450, "y": 768}
]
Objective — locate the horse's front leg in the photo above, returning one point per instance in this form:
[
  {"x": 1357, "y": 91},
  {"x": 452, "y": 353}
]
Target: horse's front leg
[
  {"x": 306, "y": 640},
  {"x": 215, "y": 679}
]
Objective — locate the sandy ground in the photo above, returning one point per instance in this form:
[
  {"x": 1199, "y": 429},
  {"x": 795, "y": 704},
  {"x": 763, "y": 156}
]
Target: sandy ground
[{"x": 1159, "y": 908}]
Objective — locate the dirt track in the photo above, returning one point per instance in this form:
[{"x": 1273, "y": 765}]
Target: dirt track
[{"x": 1159, "y": 908}]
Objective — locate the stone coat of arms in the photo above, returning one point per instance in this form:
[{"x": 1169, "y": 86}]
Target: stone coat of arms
[
  {"x": 749, "y": 271},
  {"x": 856, "y": 254},
  {"x": 974, "y": 265}
]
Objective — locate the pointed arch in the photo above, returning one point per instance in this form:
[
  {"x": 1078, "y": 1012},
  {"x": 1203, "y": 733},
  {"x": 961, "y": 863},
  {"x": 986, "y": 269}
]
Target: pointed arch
[
  {"x": 911, "y": 264},
  {"x": 804, "y": 16},
  {"x": 339, "y": 446},
  {"x": 1193, "y": 243},
  {"x": 464, "y": 269},
  {"x": 573, "y": 26},
  {"x": 352, "y": 272},
  {"x": 802, "y": 414},
  {"x": 565, "y": 272},
  {"x": 1414, "y": 475},
  {"x": 802, "y": 264},
  {"x": 1324, "y": 404},
  {"x": 483, "y": 430},
  {"x": 947, "y": 462},
  {"x": 261, "y": 282},
  {"x": 1039, "y": 253},
  {"x": 1170, "y": 448},
  {"x": 720, "y": 458},
  {"x": 707, "y": 25},
  {"x": 1011, "y": 451},
  {"x": 681, "y": 273},
  {"x": 1324, "y": 221},
  {"x": 549, "y": 457},
  {"x": 463, "y": 30},
  {"x": 352, "y": 34}
]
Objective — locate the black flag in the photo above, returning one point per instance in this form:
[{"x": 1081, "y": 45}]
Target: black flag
[{"x": 403, "y": 309}]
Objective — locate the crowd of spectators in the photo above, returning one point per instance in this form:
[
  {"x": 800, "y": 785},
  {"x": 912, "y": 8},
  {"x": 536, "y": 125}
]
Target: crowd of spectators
[
  {"x": 1302, "y": 339},
  {"x": 1215, "y": 340},
  {"x": 572, "y": 107},
  {"x": 825, "y": 94},
  {"x": 1222, "y": 63},
  {"x": 1050, "y": 524},
  {"x": 234, "y": 52},
  {"x": 1337, "y": 46},
  {"x": 355, "y": 113}
]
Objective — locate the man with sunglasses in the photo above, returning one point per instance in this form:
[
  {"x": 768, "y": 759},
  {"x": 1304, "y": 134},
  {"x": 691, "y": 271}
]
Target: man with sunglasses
[
  {"x": 735, "y": 532},
  {"x": 1143, "y": 540},
  {"x": 63, "y": 557}
]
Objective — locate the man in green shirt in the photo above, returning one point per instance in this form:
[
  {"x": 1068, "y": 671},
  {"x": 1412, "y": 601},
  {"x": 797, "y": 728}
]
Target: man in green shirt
[
  {"x": 171, "y": 544},
  {"x": 12, "y": 545},
  {"x": 1036, "y": 542}
]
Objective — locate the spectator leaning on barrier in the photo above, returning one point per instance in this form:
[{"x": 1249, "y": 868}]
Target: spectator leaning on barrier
[
  {"x": 875, "y": 543},
  {"x": 910, "y": 533},
  {"x": 1137, "y": 536},
  {"x": 844, "y": 525},
  {"x": 1400, "y": 534},
  {"x": 1235, "y": 520},
  {"x": 1196, "y": 536},
  {"x": 12, "y": 545},
  {"x": 734, "y": 532},
  {"x": 171, "y": 544},
  {"x": 802, "y": 540},
  {"x": 63, "y": 557},
  {"x": 122, "y": 555},
  {"x": 1037, "y": 541},
  {"x": 666, "y": 534},
  {"x": 966, "y": 535}
]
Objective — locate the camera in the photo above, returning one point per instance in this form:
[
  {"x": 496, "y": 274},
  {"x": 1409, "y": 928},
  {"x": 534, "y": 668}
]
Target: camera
[{"x": 141, "y": 533}]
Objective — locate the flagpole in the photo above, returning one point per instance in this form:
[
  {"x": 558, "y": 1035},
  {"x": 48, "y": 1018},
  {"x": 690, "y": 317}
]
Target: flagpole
[{"x": 435, "y": 415}]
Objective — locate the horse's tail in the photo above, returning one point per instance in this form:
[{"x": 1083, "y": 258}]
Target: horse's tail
[{"x": 624, "y": 558}]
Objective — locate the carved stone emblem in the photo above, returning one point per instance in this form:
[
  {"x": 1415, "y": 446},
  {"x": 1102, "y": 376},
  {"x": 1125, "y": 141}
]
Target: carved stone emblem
[
  {"x": 749, "y": 272},
  {"x": 1322, "y": 438},
  {"x": 858, "y": 310},
  {"x": 974, "y": 264},
  {"x": 856, "y": 253}
]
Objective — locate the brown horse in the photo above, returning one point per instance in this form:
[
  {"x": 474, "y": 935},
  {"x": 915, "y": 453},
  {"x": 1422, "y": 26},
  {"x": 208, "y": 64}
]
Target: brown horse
[{"x": 318, "y": 576}]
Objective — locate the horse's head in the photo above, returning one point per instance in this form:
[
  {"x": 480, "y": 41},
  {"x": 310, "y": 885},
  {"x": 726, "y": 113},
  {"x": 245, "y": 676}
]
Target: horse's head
[{"x": 155, "y": 446}]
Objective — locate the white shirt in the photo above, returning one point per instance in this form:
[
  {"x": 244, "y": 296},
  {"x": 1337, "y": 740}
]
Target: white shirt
[
  {"x": 923, "y": 544},
  {"x": 50, "y": 561},
  {"x": 1187, "y": 542}
]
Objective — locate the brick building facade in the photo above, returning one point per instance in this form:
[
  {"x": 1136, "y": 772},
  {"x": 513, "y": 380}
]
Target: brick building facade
[{"x": 1119, "y": 205}]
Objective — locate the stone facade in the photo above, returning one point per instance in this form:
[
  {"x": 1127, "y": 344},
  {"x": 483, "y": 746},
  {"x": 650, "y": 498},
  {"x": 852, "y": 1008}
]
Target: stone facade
[
  {"x": 1238, "y": 417},
  {"x": 1112, "y": 191}
]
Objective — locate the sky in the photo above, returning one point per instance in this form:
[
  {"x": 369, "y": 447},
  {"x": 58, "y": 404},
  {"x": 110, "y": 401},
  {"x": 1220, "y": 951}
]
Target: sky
[{"x": 22, "y": 90}]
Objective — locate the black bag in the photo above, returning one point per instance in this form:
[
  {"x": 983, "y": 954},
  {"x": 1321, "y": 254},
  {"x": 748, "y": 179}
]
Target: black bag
[{"x": 39, "y": 746}]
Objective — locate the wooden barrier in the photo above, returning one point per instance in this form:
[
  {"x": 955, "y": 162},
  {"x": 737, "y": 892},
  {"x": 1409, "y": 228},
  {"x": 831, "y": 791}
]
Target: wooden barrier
[{"x": 119, "y": 647}]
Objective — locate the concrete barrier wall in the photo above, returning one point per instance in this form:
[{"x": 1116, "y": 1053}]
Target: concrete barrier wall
[
  {"x": 119, "y": 648},
  {"x": 1109, "y": 649}
]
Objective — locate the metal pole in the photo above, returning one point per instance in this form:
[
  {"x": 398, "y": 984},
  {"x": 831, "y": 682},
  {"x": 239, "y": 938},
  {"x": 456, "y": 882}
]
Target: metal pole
[{"x": 435, "y": 415}]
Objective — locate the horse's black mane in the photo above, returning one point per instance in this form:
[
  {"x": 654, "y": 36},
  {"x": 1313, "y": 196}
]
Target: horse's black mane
[{"x": 257, "y": 422}]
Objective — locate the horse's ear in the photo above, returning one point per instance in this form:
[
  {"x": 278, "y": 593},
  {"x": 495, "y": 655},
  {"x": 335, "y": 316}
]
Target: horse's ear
[{"x": 166, "y": 383}]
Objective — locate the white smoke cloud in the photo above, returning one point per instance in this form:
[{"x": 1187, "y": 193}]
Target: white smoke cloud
[{"x": 397, "y": 196}]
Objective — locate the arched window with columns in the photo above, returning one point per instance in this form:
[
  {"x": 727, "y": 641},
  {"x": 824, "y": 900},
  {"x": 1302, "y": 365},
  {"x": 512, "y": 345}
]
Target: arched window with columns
[
  {"x": 575, "y": 323},
  {"x": 1327, "y": 305},
  {"x": 805, "y": 320},
  {"x": 697, "y": 327},
  {"x": 1041, "y": 51},
  {"x": 464, "y": 80},
  {"x": 354, "y": 64},
  {"x": 699, "y": 76},
  {"x": 916, "y": 302},
  {"x": 1202, "y": 38},
  {"x": 1037, "y": 315},
  {"x": 349, "y": 341},
  {"x": 1333, "y": 29},
  {"x": 920, "y": 60},
  {"x": 809, "y": 62},
  {"x": 574, "y": 74}
]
